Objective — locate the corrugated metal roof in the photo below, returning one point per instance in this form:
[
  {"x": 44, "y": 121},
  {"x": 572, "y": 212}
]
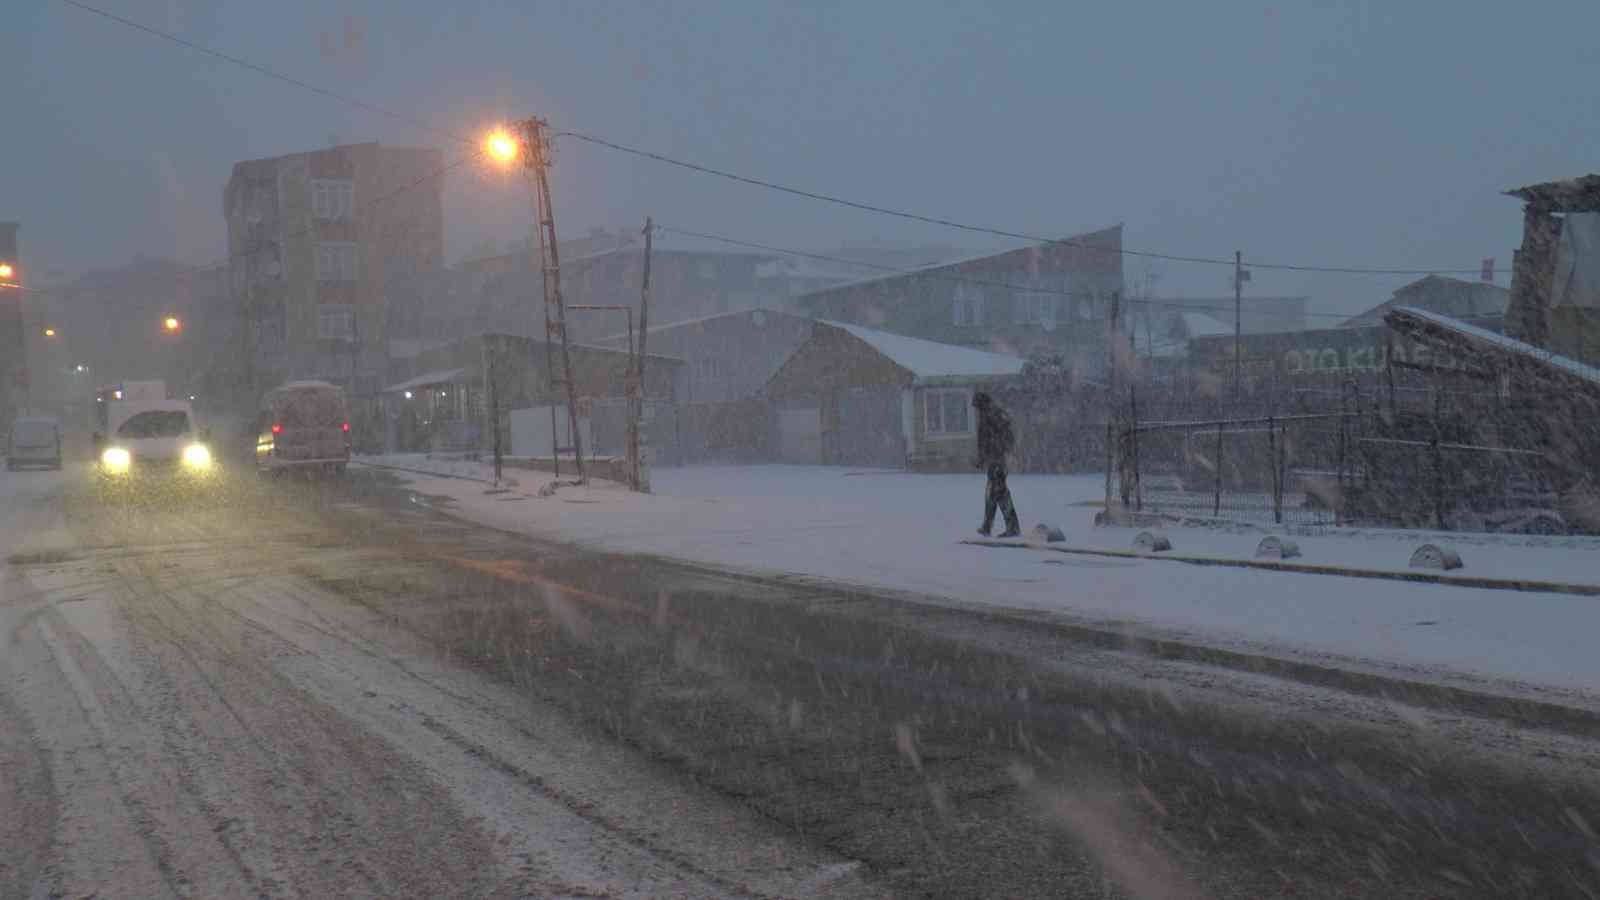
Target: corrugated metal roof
[
  {"x": 931, "y": 359},
  {"x": 1410, "y": 315}
]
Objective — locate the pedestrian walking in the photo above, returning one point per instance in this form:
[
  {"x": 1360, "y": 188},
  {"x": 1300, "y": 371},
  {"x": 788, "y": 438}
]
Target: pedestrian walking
[{"x": 995, "y": 442}]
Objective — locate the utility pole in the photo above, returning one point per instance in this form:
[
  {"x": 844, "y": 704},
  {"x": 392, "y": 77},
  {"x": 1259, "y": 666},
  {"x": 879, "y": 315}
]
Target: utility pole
[
  {"x": 1112, "y": 317},
  {"x": 1238, "y": 320},
  {"x": 538, "y": 161},
  {"x": 492, "y": 400},
  {"x": 641, "y": 481}
]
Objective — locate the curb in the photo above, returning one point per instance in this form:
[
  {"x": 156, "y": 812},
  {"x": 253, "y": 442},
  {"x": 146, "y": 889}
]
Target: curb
[
  {"x": 1468, "y": 581},
  {"x": 373, "y": 465},
  {"x": 1526, "y": 712}
]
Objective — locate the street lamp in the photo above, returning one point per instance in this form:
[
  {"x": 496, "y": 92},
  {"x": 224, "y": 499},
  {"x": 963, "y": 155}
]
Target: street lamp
[
  {"x": 49, "y": 332},
  {"x": 7, "y": 270},
  {"x": 80, "y": 368},
  {"x": 172, "y": 324},
  {"x": 502, "y": 146}
]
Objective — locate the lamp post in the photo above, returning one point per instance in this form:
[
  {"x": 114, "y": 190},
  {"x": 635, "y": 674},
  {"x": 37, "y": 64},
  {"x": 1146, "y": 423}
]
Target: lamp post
[{"x": 529, "y": 143}]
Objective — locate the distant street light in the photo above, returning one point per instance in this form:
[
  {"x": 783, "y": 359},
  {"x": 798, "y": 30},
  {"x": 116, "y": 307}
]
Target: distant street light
[
  {"x": 502, "y": 146},
  {"x": 7, "y": 270},
  {"x": 80, "y": 367},
  {"x": 172, "y": 324},
  {"x": 50, "y": 332}
]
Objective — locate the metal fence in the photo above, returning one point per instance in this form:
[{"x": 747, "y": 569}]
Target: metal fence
[
  {"x": 1270, "y": 468},
  {"x": 1429, "y": 459}
]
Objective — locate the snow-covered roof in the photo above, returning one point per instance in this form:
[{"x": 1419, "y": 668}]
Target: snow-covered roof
[
  {"x": 443, "y": 376},
  {"x": 1198, "y": 324},
  {"x": 930, "y": 359},
  {"x": 1499, "y": 341}
]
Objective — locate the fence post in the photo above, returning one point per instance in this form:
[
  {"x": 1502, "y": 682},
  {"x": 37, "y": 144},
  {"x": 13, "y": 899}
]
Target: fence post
[
  {"x": 1344, "y": 438},
  {"x": 1438, "y": 467},
  {"x": 1277, "y": 475},
  {"x": 1216, "y": 504},
  {"x": 1133, "y": 436}
]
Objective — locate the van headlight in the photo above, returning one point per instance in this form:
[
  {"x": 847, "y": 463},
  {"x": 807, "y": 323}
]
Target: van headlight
[
  {"x": 116, "y": 459},
  {"x": 196, "y": 456}
]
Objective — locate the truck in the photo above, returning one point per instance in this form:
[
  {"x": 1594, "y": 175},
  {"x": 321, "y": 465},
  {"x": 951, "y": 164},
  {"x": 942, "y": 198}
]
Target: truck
[{"x": 115, "y": 403}]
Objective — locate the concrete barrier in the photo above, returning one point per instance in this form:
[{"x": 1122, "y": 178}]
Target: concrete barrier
[
  {"x": 1274, "y": 547},
  {"x": 1436, "y": 556},
  {"x": 1152, "y": 542}
]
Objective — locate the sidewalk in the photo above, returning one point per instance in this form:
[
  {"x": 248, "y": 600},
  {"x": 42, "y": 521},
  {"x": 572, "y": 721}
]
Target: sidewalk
[{"x": 902, "y": 531}]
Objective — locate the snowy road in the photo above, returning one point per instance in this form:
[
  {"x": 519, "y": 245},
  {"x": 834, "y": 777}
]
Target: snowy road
[
  {"x": 185, "y": 712},
  {"x": 337, "y": 690}
]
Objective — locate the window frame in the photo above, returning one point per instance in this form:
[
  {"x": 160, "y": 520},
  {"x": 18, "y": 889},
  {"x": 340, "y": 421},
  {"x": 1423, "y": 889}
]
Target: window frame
[
  {"x": 967, "y": 308},
  {"x": 327, "y": 313},
  {"x": 933, "y": 407},
  {"x": 343, "y": 257},
  {"x": 332, "y": 199}
]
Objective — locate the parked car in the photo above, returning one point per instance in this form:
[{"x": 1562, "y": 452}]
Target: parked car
[
  {"x": 34, "y": 441},
  {"x": 303, "y": 425}
]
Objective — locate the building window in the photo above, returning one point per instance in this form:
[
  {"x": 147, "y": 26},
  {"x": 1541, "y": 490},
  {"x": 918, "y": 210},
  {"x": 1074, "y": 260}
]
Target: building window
[
  {"x": 336, "y": 323},
  {"x": 337, "y": 262},
  {"x": 966, "y": 309},
  {"x": 1033, "y": 309},
  {"x": 710, "y": 367},
  {"x": 947, "y": 412},
  {"x": 331, "y": 199}
]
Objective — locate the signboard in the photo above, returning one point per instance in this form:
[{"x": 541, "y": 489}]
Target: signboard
[{"x": 1326, "y": 351}]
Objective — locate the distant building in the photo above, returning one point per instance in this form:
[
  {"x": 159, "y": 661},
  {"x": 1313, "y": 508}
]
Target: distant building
[
  {"x": 727, "y": 357},
  {"x": 852, "y": 395},
  {"x": 116, "y": 318},
  {"x": 325, "y": 246},
  {"x": 1047, "y": 298},
  {"x": 506, "y": 292},
  {"x": 727, "y": 361},
  {"x": 12, "y": 339},
  {"x": 1258, "y": 315},
  {"x": 1555, "y": 274},
  {"x": 1479, "y": 301}
]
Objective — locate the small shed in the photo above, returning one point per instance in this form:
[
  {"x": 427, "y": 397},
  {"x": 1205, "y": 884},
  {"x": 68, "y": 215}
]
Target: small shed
[{"x": 852, "y": 395}]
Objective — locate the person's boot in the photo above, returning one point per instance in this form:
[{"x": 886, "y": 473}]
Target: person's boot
[
  {"x": 984, "y": 530},
  {"x": 1011, "y": 532}
]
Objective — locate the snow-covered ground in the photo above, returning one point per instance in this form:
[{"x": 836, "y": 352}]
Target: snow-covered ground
[{"x": 898, "y": 530}]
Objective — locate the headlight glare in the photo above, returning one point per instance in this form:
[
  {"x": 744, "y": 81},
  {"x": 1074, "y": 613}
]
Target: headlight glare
[
  {"x": 116, "y": 459},
  {"x": 196, "y": 456}
]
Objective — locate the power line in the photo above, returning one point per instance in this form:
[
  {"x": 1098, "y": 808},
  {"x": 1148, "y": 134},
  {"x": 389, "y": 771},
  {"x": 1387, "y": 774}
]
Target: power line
[
  {"x": 270, "y": 73},
  {"x": 755, "y": 182},
  {"x": 980, "y": 229},
  {"x": 962, "y": 279}
]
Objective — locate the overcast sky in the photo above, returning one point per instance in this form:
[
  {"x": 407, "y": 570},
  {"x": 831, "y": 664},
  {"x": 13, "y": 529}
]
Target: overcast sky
[{"x": 1365, "y": 134}]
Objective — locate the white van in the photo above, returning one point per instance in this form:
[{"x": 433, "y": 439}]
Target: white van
[
  {"x": 303, "y": 425},
  {"x": 34, "y": 441},
  {"x": 160, "y": 437}
]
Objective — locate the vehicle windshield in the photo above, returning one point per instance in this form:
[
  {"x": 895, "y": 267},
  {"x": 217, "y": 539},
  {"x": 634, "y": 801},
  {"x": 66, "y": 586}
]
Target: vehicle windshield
[
  {"x": 155, "y": 424},
  {"x": 33, "y": 434},
  {"x": 800, "y": 448}
]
